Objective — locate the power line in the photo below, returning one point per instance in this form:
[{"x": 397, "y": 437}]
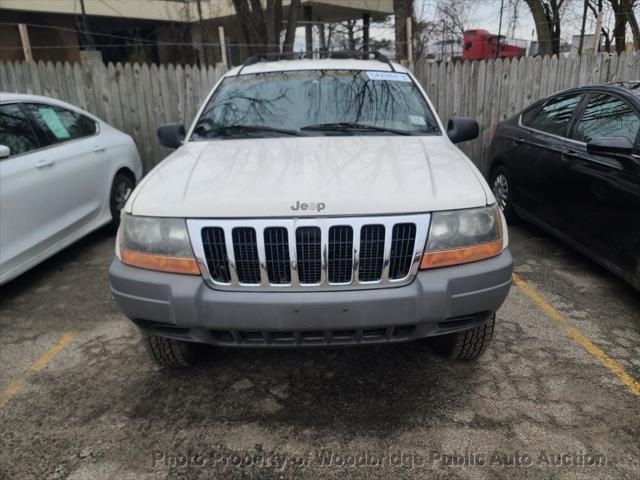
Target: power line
[{"x": 83, "y": 31}]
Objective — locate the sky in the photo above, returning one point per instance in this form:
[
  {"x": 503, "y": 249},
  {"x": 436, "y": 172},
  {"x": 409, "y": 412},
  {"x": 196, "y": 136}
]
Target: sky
[{"x": 486, "y": 14}]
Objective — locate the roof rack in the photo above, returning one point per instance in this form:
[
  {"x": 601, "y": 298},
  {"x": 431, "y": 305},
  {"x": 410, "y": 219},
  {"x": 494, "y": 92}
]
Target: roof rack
[{"x": 341, "y": 54}]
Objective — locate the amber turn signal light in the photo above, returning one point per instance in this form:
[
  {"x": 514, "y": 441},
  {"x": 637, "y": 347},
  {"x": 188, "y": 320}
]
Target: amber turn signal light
[
  {"x": 456, "y": 256},
  {"x": 160, "y": 263}
]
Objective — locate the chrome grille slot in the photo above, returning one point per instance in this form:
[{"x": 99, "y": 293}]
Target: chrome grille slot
[
  {"x": 371, "y": 253},
  {"x": 276, "y": 245},
  {"x": 403, "y": 240},
  {"x": 216, "y": 251},
  {"x": 245, "y": 249},
  {"x": 309, "y": 253},
  {"x": 309, "y": 250},
  {"x": 340, "y": 263}
]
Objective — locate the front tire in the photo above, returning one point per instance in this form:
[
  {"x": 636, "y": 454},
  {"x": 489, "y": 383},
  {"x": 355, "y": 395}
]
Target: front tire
[
  {"x": 468, "y": 344},
  {"x": 501, "y": 184},
  {"x": 171, "y": 353},
  {"x": 121, "y": 188}
]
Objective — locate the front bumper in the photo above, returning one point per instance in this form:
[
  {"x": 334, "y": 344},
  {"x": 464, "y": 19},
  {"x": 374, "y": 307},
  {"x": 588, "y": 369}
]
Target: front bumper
[{"x": 437, "y": 302}]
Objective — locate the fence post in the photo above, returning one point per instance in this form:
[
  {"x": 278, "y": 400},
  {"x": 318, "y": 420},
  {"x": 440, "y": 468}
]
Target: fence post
[{"x": 26, "y": 43}]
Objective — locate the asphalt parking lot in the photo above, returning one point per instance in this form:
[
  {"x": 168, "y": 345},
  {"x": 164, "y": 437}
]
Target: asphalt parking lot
[{"x": 557, "y": 394}]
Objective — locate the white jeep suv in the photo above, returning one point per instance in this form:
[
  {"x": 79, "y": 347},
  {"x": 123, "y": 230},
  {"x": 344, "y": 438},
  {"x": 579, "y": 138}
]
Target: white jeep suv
[{"x": 313, "y": 203}]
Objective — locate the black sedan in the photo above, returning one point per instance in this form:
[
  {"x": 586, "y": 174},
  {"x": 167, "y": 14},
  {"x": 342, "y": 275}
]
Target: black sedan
[{"x": 571, "y": 164}]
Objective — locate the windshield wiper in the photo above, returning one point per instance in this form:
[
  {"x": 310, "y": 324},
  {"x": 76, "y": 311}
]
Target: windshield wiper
[
  {"x": 231, "y": 129},
  {"x": 351, "y": 126}
]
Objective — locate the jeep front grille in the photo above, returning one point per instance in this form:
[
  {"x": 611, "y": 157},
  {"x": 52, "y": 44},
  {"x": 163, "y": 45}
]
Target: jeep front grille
[
  {"x": 245, "y": 249},
  {"x": 276, "y": 246},
  {"x": 340, "y": 254},
  {"x": 404, "y": 235},
  {"x": 371, "y": 253},
  {"x": 216, "y": 254},
  {"x": 309, "y": 253}
]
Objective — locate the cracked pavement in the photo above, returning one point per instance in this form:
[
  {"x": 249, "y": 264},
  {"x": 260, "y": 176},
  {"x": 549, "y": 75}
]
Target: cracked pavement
[{"x": 101, "y": 409}]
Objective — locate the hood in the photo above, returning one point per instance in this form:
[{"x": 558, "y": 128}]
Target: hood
[{"x": 310, "y": 176}]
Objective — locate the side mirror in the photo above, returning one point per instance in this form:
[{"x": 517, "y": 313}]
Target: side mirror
[
  {"x": 171, "y": 135},
  {"x": 4, "y": 151},
  {"x": 461, "y": 129},
  {"x": 610, "y": 146}
]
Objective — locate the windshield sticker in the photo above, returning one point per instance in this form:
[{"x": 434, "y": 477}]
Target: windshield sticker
[
  {"x": 53, "y": 122},
  {"x": 389, "y": 76},
  {"x": 417, "y": 120}
]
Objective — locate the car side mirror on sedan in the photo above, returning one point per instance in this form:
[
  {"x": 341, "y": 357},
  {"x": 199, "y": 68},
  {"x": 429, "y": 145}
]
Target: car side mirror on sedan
[
  {"x": 171, "y": 135},
  {"x": 461, "y": 129},
  {"x": 4, "y": 151},
  {"x": 610, "y": 146}
]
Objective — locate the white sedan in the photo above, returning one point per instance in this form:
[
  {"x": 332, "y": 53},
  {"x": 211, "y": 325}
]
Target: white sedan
[{"x": 63, "y": 174}]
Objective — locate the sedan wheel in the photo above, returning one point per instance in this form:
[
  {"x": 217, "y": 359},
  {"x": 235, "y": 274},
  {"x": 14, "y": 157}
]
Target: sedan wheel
[
  {"x": 502, "y": 187},
  {"x": 501, "y": 190},
  {"x": 120, "y": 190}
]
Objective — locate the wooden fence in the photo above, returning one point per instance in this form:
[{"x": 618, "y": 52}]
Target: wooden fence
[
  {"x": 137, "y": 98},
  {"x": 493, "y": 90},
  {"x": 132, "y": 97}
]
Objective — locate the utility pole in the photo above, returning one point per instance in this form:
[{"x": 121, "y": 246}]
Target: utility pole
[
  {"x": 88, "y": 38},
  {"x": 499, "y": 29}
]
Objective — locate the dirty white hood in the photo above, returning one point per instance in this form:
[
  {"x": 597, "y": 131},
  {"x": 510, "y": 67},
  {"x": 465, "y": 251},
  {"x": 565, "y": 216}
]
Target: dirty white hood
[{"x": 350, "y": 175}]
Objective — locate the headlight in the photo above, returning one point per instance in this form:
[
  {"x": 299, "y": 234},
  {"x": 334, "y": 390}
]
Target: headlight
[
  {"x": 156, "y": 244},
  {"x": 462, "y": 236}
]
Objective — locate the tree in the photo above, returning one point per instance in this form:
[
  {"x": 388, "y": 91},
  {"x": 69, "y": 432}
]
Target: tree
[
  {"x": 402, "y": 9},
  {"x": 546, "y": 15},
  {"x": 261, "y": 27},
  {"x": 292, "y": 23},
  {"x": 348, "y": 35},
  {"x": 439, "y": 27},
  {"x": 624, "y": 13},
  {"x": 597, "y": 6}
]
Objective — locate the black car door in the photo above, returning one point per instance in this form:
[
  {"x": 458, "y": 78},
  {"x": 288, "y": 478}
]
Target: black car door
[
  {"x": 604, "y": 211},
  {"x": 542, "y": 162}
]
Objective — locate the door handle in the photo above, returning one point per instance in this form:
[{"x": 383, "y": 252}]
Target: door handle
[
  {"x": 45, "y": 163},
  {"x": 519, "y": 140},
  {"x": 97, "y": 149},
  {"x": 571, "y": 153}
]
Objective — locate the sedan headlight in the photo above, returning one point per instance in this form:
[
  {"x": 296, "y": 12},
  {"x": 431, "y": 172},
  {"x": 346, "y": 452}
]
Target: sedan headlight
[
  {"x": 156, "y": 244},
  {"x": 463, "y": 236}
]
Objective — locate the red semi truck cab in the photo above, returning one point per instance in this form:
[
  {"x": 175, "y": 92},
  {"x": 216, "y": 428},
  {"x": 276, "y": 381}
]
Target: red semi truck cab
[{"x": 482, "y": 44}]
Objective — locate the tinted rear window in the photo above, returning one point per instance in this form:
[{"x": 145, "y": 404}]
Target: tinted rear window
[{"x": 554, "y": 117}]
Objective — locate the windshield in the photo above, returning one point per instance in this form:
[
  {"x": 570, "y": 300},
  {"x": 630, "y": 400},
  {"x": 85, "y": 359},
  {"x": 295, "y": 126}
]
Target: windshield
[{"x": 316, "y": 102}]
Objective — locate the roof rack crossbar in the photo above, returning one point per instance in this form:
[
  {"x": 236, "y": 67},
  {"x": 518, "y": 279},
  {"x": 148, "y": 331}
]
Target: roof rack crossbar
[{"x": 275, "y": 56}]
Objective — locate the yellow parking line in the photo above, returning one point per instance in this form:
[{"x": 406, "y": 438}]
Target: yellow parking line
[
  {"x": 14, "y": 388},
  {"x": 39, "y": 364},
  {"x": 46, "y": 358},
  {"x": 613, "y": 366}
]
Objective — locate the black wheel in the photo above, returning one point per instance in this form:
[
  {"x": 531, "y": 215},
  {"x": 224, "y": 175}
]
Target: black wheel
[
  {"x": 466, "y": 345},
  {"x": 502, "y": 186},
  {"x": 171, "y": 353},
  {"x": 120, "y": 190}
]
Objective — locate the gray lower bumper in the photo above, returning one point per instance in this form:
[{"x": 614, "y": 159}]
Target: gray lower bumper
[{"x": 438, "y": 301}]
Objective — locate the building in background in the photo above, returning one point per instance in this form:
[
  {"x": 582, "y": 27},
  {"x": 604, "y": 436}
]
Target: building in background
[{"x": 154, "y": 31}]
